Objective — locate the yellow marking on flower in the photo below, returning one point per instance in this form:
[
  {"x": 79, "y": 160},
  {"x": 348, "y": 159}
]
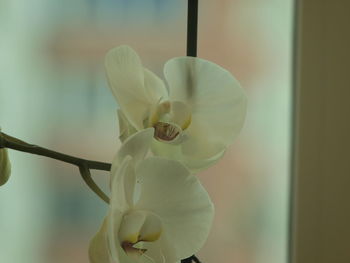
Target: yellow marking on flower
[
  {"x": 129, "y": 243},
  {"x": 158, "y": 112},
  {"x": 133, "y": 238},
  {"x": 187, "y": 123},
  {"x": 151, "y": 237}
]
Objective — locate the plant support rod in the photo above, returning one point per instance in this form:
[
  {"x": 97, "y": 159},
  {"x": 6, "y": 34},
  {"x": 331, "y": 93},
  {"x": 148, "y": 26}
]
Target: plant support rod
[
  {"x": 192, "y": 28},
  {"x": 192, "y": 32}
]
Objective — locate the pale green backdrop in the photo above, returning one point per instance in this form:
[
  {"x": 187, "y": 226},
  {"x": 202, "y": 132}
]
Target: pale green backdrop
[{"x": 53, "y": 93}]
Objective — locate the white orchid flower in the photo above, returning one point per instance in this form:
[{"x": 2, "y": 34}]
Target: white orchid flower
[
  {"x": 195, "y": 119},
  {"x": 158, "y": 213}
]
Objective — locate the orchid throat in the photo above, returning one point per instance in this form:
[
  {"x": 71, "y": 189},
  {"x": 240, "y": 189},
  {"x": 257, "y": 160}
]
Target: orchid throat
[{"x": 170, "y": 119}]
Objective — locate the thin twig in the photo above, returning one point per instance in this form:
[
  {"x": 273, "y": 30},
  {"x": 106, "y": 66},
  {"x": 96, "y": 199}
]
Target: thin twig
[
  {"x": 86, "y": 175},
  {"x": 10, "y": 142}
]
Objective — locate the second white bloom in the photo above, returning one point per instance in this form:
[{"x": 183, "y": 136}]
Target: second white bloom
[{"x": 158, "y": 213}]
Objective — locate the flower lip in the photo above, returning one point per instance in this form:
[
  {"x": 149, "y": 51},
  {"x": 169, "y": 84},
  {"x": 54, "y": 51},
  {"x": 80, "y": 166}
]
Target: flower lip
[
  {"x": 130, "y": 249},
  {"x": 138, "y": 226},
  {"x": 169, "y": 118},
  {"x": 166, "y": 132}
]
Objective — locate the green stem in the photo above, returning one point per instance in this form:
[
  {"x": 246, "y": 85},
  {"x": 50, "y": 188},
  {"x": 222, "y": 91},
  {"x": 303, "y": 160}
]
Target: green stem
[
  {"x": 86, "y": 175},
  {"x": 84, "y": 165},
  {"x": 7, "y": 141}
]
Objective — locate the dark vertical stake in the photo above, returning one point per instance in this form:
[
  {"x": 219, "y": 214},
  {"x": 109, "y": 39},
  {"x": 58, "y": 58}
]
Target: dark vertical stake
[{"x": 192, "y": 25}]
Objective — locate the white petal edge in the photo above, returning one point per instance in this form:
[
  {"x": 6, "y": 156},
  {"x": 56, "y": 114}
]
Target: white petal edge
[
  {"x": 136, "y": 146},
  {"x": 218, "y": 104},
  {"x": 174, "y": 152},
  {"x": 123, "y": 186},
  {"x": 154, "y": 87},
  {"x": 98, "y": 248},
  {"x": 125, "y": 127},
  {"x": 125, "y": 76}
]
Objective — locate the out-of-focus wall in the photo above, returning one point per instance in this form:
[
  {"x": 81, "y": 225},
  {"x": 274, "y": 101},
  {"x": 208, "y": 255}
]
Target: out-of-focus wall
[{"x": 53, "y": 93}]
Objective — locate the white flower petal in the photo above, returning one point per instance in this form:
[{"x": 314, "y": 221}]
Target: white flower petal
[
  {"x": 98, "y": 249},
  {"x": 123, "y": 186},
  {"x": 151, "y": 229},
  {"x": 217, "y": 102},
  {"x": 131, "y": 225},
  {"x": 116, "y": 252},
  {"x": 178, "y": 198},
  {"x": 125, "y": 127},
  {"x": 136, "y": 146},
  {"x": 154, "y": 87},
  {"x": 105, "y": 248},
  {"x": 137, "y": 226},
  {"x": 5, "y": 166},
  {"x": 126, "y": 80},
  {"x": 118, "y": 255},
  {"x": 181, "y": 114},
  {"x": 169, "y": 151},
  {"x": 201, "y": 164},
  {"x": 174, "y": 152},
  {"x": 201, "y": 145},
  {"x": 160, "y": 251}
]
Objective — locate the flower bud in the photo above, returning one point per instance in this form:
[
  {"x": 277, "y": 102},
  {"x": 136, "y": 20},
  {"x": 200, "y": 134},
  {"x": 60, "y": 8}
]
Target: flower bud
[{"x": 5, "y": 166}]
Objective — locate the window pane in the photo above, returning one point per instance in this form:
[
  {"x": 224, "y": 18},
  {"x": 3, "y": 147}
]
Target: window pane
[{"x": 53, "y": 93}]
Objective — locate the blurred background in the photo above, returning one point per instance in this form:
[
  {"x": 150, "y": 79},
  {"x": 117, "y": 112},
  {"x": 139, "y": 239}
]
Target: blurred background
[{"x": 53, "y": 93}]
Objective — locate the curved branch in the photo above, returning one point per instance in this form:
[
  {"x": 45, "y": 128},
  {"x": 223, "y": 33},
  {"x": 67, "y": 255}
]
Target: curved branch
[
  {"x": 10, "y": 142},
  {"x": 86, "y": 175}
]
